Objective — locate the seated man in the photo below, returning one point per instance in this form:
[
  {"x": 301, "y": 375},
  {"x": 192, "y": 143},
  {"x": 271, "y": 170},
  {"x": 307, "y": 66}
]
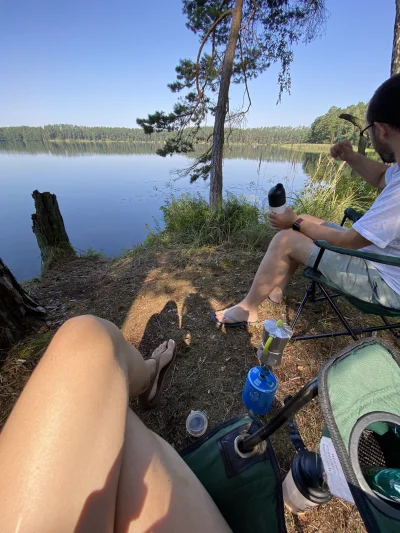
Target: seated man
[{"x": 378, "y": 230}]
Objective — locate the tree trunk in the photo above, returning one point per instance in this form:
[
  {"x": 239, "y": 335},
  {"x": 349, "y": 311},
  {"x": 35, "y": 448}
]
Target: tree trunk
[
  {"x": 395, "y": 68},
  {"x": 222, "y": 107},
  {"x": 48, "y": 226},
  {"x": 19, "y": 312}
]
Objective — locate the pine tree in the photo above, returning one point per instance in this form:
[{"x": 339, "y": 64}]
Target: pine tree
[{"x": 239, "y": 40}]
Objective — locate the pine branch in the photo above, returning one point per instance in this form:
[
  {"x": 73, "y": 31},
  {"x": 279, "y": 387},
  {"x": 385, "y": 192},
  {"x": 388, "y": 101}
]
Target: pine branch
[
  {"x": 203, "y": 42},
  {"x": 256, "y": 7}
]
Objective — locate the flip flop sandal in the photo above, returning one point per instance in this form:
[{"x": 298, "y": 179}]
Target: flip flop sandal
[
  {"x": 274, "y": 303},
  {"x": 230, "y": 324},
  {"x": 143, "y": 400}
]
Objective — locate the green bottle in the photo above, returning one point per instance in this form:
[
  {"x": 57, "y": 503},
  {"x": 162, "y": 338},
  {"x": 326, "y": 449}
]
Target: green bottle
[{"x": 385, "y": 482}]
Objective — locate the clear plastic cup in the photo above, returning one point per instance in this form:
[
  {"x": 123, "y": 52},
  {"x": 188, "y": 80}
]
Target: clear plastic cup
[{"x": 196, "y": 423}]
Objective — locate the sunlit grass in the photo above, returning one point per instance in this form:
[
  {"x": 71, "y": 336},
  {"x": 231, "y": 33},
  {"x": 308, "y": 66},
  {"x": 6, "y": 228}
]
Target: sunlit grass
[{"x": 331, "y": 190}]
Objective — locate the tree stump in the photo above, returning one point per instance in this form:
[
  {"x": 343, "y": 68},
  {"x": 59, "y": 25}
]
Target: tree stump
[
  {"x": 19, "y": 312},
  {"x": 48, "y": 226}
]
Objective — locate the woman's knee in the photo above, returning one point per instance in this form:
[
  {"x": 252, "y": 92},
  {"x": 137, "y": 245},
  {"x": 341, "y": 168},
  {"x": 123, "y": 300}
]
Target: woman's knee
[
  {"x": 86, "y": 332},
  {"x": 80, "y": 325}
]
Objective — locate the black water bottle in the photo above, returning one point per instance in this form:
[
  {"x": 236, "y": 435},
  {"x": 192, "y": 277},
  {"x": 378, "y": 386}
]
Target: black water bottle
[
  {"x": 304, "y": 486},
  {"x": 277, "y": 199}
]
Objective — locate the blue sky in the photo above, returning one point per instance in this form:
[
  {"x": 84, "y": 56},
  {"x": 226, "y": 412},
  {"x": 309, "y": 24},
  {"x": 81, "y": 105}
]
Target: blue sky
[{"x": 103, "y": 63}]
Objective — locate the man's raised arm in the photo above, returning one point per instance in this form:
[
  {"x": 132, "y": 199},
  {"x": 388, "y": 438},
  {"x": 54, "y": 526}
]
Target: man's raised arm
[{"x": 373, "y": 172}]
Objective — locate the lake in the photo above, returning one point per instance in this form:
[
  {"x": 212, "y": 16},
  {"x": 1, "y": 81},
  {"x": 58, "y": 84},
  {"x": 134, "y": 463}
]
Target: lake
[{"x": 109, "y": 194}]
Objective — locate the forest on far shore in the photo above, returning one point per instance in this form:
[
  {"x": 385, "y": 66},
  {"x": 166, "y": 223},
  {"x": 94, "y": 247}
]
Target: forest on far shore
[{"x": 328, "y": 128}]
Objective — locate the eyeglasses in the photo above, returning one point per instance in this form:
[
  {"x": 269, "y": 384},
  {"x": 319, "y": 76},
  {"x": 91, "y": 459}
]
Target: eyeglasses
[{"x": 362, "y": 133}]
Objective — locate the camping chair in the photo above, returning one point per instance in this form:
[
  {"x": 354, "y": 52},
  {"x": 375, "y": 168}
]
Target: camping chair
[
  {"x": 236, "y": 462},
  {"x": 319, "y": 281}
]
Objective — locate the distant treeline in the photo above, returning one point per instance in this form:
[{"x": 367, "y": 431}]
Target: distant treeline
[
  {"x": 68, "y": 132},
  {"x": 328, "y": 128}
]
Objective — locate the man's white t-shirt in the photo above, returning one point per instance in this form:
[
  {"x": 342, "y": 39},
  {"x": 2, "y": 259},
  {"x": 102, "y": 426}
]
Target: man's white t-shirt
[{"x": 381, "y": 226}]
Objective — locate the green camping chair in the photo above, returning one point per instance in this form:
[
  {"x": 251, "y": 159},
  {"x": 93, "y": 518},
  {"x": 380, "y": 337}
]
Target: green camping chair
[
  {"x": 236, "y": 463},
  {"x": 321, "y": 282}
]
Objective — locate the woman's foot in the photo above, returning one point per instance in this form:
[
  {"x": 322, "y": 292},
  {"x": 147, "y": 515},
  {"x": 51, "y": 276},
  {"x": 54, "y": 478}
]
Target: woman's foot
[
  {"x": 163, "y": 356},
  {"x": 165, "y": 352},
  {"x": 237, "y": 313}
]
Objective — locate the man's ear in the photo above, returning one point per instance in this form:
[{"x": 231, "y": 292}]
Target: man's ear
[{"x": 381, "y": 130}]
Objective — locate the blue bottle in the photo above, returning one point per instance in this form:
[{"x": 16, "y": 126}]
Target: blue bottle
[
  {"x": 385, "y": 482},
  {"x": 259, "y": 390}
]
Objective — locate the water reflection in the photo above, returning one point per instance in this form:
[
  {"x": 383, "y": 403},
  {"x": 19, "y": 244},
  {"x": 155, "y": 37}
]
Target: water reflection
[
  {"x": 263, "y": 153},
  {"x": 109, "y": 192}
]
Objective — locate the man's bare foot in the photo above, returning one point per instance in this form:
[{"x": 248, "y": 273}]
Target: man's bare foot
[
  {"x": 276, "y": 296},
  {"x": 237, "y": 313},
  {"x": 166, "y": 351}
]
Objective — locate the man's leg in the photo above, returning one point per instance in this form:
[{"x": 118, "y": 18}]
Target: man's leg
[
  {"x": 287, "y": 250},
  {"x": 276, "y": 295},
  {"x": 73, "y": 457}
]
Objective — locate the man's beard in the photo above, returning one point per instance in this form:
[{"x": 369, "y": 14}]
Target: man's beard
[
  {"x": 387, "y": 157},
  {"x": 384, "y": 152}
]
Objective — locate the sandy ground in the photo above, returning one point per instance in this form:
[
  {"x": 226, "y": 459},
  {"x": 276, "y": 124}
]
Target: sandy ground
[{"x": 154, "y": 296}]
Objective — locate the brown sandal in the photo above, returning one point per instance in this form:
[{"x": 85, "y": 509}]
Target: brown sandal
[{"x": 143, "y": 400}]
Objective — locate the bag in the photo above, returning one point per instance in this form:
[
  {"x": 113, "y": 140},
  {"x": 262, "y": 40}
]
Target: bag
[
  {"x": 359, "y": 393},
  {"x": 247, "y": 490}
]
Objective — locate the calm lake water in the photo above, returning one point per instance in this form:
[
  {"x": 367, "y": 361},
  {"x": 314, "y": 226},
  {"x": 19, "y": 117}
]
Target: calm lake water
[{"x": 109, "y": 193}]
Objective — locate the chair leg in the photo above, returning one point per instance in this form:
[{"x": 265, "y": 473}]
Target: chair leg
[
  {"x": 338, "y": 312},
  {"x": 388, "y": 323},
  {"x": 356, "y": 331},
  {"x": 310, "y": 292}
]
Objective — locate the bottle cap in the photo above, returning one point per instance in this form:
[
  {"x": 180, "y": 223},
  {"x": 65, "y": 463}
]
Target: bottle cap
[{"x": 196, "y": 423}]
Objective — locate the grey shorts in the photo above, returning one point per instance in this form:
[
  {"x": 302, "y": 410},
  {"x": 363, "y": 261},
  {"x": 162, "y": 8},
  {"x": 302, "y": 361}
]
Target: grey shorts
[{"x": 355, "y": 276}]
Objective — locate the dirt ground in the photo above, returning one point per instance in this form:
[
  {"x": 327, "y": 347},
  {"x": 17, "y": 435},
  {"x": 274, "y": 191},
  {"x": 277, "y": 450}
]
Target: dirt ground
[{"x": 154, "y": 296}]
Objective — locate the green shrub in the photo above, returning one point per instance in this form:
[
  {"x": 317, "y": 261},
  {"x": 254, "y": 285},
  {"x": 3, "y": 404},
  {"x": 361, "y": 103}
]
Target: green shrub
[
  {"x": 190, "y": 220},
  {"x": 92, "y": 253}
]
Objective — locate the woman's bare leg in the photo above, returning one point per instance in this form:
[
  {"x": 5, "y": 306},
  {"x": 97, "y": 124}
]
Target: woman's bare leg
[
  {"x": 287, "y": 250},
  {"x": 73, "y": 457}
]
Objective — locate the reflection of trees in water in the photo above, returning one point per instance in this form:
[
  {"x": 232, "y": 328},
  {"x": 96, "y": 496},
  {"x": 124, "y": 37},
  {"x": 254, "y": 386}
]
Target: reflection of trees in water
[
  {"x": 262, "y": 153},
  {"x": 73, "y": 149}
]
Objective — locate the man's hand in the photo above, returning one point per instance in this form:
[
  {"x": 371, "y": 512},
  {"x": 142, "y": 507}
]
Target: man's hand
[
  {"x": 343, "y": 151},
  {"x": 284, "y": 221}
]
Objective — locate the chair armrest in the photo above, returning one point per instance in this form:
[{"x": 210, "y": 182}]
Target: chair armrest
[
  {"x": 352, "y": 214},
  {"x": 376, "y": 258}
]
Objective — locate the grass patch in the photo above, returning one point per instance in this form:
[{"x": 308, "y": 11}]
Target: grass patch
[
  {"x": 92, "y": 253},
  {"x": 33, "y": 347},
  {"x": 189, "y": 219},
  {"x": 332, "y": 189}
]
